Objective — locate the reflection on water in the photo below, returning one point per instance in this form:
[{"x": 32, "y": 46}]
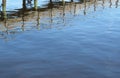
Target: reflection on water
[
  {"x": 53, "y": 10},
  {"x": 61, "y": 40}
]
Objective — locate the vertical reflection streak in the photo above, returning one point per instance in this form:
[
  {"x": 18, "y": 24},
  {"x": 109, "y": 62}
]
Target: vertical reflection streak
[
  {"x": 74, "y": 9},
  {"x": 117, "y": 3},
  {"x": 63, "y": 11},
  {"x": 110, "y": 3},
  {"x": 38, "y": 20},
  {"x": 103, "y": 2},
  {"x": 95, "y": 5},
  {"x": 84, "y": 7}
]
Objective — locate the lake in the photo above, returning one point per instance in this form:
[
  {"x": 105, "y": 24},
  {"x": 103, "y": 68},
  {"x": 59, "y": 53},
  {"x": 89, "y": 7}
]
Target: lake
[{"x": 77, "y": 40}]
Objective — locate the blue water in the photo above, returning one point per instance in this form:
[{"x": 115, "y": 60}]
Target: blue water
[{"x": 73, "y": 46}]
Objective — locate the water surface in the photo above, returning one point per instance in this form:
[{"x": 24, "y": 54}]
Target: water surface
[{"x": 83, "y": 43}]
